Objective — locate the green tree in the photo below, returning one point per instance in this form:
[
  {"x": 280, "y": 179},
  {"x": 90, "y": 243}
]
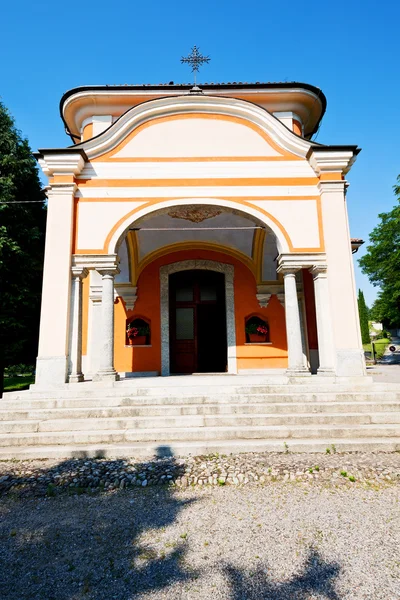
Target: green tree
[
  {"x": 22, "y": 232},
  {"x": 364, "y": 314},
  {"x": 382, "y": 265}
]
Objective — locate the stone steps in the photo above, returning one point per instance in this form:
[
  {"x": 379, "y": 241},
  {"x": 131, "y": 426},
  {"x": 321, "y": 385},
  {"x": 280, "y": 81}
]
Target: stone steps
[
  {"x": 222, "y": 386},
  {"x": 204, "y": 433},
  {"x": 162, "y": 423},
  {"x": 199, "y": 447},
  {"x": 95, "y": 401},
  {"x": 200, "y": 415},
  {"x": 174, "y": 410}
]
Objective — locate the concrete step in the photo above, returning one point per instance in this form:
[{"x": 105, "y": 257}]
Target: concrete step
[
  {"x": 95, "y": 402},
  {"x": 166, "y": 410},
  {"x": 204, "y": 433},
  {"x": 198, "y": 447},
  {"x": 195, "y": 421},
  {"x": 226, "y": 386}
]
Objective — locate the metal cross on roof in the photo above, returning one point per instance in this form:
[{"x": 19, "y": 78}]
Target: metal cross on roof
[{"x": 195, "y": 60}]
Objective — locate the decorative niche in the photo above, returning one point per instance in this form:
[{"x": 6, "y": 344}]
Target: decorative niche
[
  {"x": 257, "y": 330},
  {"x": 138, "y": 332}
]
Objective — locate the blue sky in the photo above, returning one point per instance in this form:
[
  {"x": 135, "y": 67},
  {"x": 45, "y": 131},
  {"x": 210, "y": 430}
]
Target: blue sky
[{"x": 348, "y": 49}]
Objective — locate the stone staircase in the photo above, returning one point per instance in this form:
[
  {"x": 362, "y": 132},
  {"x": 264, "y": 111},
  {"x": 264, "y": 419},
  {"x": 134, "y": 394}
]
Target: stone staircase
[{"x": 199, "y": 416}]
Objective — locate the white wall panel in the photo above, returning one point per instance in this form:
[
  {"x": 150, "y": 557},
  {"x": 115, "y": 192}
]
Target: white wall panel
[{"x": 196, "y": 137}]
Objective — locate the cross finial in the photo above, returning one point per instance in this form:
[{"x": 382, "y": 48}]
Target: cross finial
[{"x": 195, "y": 60}]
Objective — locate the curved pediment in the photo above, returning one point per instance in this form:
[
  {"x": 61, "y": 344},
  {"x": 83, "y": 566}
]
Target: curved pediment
[{"x": 191, "y": 127}]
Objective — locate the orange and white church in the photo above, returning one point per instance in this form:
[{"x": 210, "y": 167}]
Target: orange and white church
[{"x": 197, "y": 231}]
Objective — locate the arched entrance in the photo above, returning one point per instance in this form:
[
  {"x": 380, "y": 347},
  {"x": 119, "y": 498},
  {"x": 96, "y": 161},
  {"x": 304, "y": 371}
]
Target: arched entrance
[
  {"x": 183, "y": 347},
  {"x": 197, "y": 322}
]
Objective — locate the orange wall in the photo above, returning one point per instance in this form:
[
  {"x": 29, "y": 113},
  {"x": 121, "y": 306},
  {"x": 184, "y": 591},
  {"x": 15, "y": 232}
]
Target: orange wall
[
  {"x": 297, "y": 127},
  {"x": 130, "y": 358}
]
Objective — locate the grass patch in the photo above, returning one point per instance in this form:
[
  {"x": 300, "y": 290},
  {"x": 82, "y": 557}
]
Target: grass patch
[
  {"x": 21, "y": 382},
  {"x": 380, "y": 347}
]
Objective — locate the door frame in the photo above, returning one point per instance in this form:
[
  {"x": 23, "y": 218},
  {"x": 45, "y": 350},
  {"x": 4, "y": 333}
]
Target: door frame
[{"x": 189, "y": 265}]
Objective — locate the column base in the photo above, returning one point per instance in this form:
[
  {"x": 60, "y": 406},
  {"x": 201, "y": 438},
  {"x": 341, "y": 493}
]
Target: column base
[
  {"x": 51, "y": 371},
  {"x": 298, "y": 372},
  {"x": 325, "y": 372},
  {"x": 106, "y": 376},
  {"x": 78, "y": 378}
]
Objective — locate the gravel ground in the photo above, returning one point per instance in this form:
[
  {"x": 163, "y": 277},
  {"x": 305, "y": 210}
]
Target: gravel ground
[{"x": 282, "y": 539}]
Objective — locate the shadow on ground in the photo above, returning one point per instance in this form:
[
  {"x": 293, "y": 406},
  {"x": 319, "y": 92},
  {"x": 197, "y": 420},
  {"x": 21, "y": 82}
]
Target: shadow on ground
[
  {"x": 69, "y": 546},
  {"x": 116, "y": 544},
  {"x": 316, "y": 580}
]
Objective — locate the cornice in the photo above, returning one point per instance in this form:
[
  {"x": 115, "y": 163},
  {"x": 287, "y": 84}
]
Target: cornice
[
  {"x": 81, "y": 102},
  {"x": 65, "y": 161},
  {"x": 332, "y": 159},
  {"x": 295, "y": 262},
  {"x": 105, "y": 262}
]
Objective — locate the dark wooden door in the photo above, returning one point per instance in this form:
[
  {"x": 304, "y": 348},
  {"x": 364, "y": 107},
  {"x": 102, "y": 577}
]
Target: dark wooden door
[{"x": 197, "y": 322}]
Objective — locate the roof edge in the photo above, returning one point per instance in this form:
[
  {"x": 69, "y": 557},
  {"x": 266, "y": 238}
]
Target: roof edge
[{"x": 187, "y": 87}]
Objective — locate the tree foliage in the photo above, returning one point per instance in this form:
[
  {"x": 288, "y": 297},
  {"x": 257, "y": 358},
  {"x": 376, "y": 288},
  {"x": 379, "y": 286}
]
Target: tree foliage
[
  {"x": 364, "y": 314},
  {"x": 22, "y": 231},
  {"x": 382, "y": 265}
]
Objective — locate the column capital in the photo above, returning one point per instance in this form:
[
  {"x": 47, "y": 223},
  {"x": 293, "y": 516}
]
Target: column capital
[
  {"x": 61, "y": 190},
  {"x": 318, "y": 270},
  {"x": 333, "y": 186},
  {"x": 108, "y": 271},
  {"x": 79, "y": 272},
  {"x": 288, "y": 269}
]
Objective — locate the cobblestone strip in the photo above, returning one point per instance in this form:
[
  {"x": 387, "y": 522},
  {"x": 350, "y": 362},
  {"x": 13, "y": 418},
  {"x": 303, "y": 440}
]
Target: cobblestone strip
[{"x": 49, "y": 477}]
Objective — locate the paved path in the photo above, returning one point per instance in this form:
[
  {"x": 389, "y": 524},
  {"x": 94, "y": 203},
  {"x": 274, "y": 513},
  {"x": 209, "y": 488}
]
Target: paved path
[
  {"x": 387, "y": 369},
  {"x": 389, "y": 357}
]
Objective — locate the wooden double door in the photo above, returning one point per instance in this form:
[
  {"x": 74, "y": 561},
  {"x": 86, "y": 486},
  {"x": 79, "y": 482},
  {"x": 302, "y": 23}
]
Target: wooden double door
[{"x": 197, "y": 322}]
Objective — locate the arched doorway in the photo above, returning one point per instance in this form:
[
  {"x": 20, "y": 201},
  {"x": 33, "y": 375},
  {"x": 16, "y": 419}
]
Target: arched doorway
[
  {"x": 223, "y": 309},
  {"x": 197, "y": 322}
]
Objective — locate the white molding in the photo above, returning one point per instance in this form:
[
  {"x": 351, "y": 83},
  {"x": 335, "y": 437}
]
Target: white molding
[
  {"x": 61, "y": 189},
  {"x": 300, "y": 261},
  {"x": 127, "y": 292},
  {"x": 187, "y": 265},
  {"x": 332, "y": 187},
  {"x": 61, "y": 164},
  {"x": 147, "y": 111},
  {"x": 199, "y": 193},
  {"x": 96, "y": 261},
  {"x": 325, "y": 161},
  {"x": 266, "y": 291}
]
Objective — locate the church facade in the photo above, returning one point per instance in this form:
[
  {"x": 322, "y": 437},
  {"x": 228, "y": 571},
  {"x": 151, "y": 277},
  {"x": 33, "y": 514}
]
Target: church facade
[{"x": 197, "y": 231}]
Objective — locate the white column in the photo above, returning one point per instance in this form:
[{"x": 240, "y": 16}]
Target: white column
[
  {"x": 75, "y": 353},
  {"x": 324, "y": 320},
  {"x": 51, "y": 364},
  {"x": 94, "y": 321},
  {"x": 106, "y": 370},
  {"x": 293, "y": 328}
]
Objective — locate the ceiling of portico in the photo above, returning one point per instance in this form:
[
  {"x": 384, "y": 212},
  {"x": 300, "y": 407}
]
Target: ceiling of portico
[
  {"x": 232, "y": 231},
  {"x": 209, "y": 230}
]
